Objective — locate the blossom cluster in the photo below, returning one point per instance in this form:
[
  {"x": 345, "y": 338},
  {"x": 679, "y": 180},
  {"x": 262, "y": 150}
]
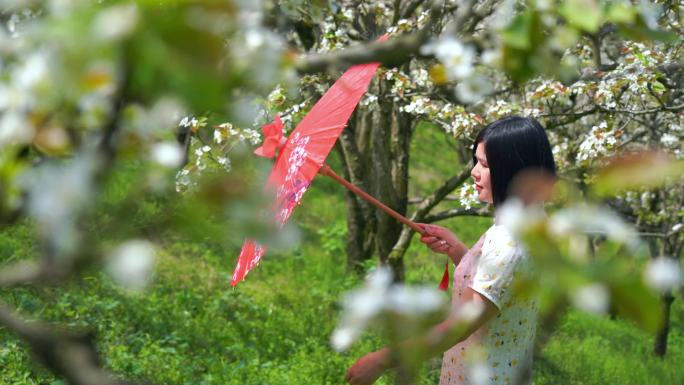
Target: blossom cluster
[
  {"x": 379, "y": 297},
  {"x": 601, "y": 141},
  {"x": 225, "y": 138}
]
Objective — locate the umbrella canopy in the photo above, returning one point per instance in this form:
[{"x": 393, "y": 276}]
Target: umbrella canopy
[{"x": 305, "y": 151}]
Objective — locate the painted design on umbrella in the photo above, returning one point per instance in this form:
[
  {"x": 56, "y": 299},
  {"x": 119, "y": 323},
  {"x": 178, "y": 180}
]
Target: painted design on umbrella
[{"x": 304, "y": 152}]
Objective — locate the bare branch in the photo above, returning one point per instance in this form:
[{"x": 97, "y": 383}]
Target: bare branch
[
  {"x": 460, "y": 212},
  {"x": 424, "y": 208},
  {"x": 71, "y": 356},
  {"x": 415, "y": 200},
  {"x": 389, "y": 53},
  {"x": 410, "y": 8},
  {"x": 21, "y": 273}
]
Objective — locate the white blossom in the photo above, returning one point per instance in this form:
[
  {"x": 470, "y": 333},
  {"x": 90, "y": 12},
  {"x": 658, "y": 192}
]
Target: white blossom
[
  {"x": 253, "y": 136},
  {"x": 468, "y": 196},
  {"x": 419, "y": 105},
  {"x": 663, "y": 274},
  {"x": 15, "y": 129},
  {"x": 587, "y": 219},
  {"x": 668, "y": 140},
  {"x": 131, "y": 264},
  {"x": 116, "y": 22},
  {"x": 57, "y": 194},
  {"x": 183, "y": 181},
  {"x": 456, "y": 57},
  {"x": 421, "y": 77},
  {"x": 598, "y": 143},
  {"x": 378, "y": 295},
  {"x": 593, "y": 298},
  {"x": 473, "y": 89},
  {"x": 470, "y": 311},
  {"x": 492, "y": 57},
  {"x": 33, "y": 70},
  {"x": 368, "y": 99},
  {"x": 479, "y": 373},
  {"x": 225, "y": 162},
  {"x": 517, "y": 217},
  {"x": 499, "y": 109},
  {"x": 167, "y": 154},
  {"x": 413, "y": 300},
  {"x": 188, "y": 121}
]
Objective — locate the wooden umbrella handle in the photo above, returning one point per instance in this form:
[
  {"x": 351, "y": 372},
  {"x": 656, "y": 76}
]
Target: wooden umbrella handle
[{"x": 327, "y": 171}]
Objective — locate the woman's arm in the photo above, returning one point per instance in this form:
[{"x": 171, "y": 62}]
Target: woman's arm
[{"x": 440, "y": 338}]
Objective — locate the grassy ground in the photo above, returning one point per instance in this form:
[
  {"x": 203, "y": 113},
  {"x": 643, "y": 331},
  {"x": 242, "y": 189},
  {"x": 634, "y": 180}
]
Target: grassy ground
[{"x": 191, "y": 328}]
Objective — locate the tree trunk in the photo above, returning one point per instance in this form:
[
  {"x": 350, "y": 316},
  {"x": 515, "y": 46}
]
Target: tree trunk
[
  {"x": 360, "y": 222},
  {"x": 375, "y": 152},
  {"x": 390, "y": 160},
  {"x": 660, "y": 343}
]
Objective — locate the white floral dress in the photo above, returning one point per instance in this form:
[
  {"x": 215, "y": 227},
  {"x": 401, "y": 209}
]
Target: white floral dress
[{"x": 501, "y": 350}]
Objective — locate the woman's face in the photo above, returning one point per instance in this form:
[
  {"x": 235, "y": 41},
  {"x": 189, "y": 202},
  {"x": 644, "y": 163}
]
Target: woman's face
[{"x": 480, "y": 174}]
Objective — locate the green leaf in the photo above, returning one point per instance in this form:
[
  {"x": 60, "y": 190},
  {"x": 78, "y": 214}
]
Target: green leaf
[
  {"x": 620, "y": 12},
  {"x": 658, "y": 87},
  {"x": 523, "y": 49},
  {"x": 584, "y": 14},
  {"x": 517, "y": 34},
  {"x": 639, "y": 31},
  {"x": 644, "y": 170},
  {"x": 633, "y": 300}
]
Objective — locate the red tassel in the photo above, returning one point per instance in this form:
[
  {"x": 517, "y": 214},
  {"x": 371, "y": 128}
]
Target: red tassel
[{"x": 444, "y": 285}]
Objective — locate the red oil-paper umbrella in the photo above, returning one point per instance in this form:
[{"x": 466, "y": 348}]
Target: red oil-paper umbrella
[{"x": 302, "y": 156}]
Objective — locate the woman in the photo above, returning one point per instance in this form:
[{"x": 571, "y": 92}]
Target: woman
[{"x": 494, "y": 346}]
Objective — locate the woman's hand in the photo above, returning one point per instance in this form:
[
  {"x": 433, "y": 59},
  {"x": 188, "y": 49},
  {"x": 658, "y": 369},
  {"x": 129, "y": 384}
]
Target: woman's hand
[
  {"x": 441, "y": 240},
  {"x": 368, "y": 368}
]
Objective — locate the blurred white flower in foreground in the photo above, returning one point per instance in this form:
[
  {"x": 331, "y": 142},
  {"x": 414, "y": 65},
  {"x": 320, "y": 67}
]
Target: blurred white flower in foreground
[
  {"x": 517, "y": 217},
  {"x": 663, "y": 274},
  {"x": 473, "y": 89},
  {"x": 57, "y": 195},
  {"x": 15, "y": 129},
  {"x": 378, "y": 296},
  {"x": 479, "y": 372},
  {"x": 593, "y": 298},
  {"x": 33, "y": 70},
  {"x": 167, "y": 154},
  {"x": 456, "y": 57},
  {"x": 131, "y": 264},
  {"x": 593, "y": 220},
  {"x": 116, "y": 22},
  {"x": 413, "y": 300}
]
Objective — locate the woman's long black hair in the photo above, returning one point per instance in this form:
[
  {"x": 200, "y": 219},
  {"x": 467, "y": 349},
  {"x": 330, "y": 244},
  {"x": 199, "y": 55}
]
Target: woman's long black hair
[{"x": 514, "y": 144}]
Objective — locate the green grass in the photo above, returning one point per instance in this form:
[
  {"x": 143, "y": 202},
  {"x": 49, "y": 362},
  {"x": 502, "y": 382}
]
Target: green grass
[{"x": 190, "y": 327}]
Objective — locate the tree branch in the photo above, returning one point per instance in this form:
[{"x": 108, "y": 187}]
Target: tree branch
[
  {"x": 424, "y": 208},
  {"x": 389, "y": 53},
  {"x": 410, "y": 8},
  {"x": 71, "y": 356},
  {"x": 460, "y": 212},
  {"x": 415, "y": 200},
  {"x": 22, "y": 273}
]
